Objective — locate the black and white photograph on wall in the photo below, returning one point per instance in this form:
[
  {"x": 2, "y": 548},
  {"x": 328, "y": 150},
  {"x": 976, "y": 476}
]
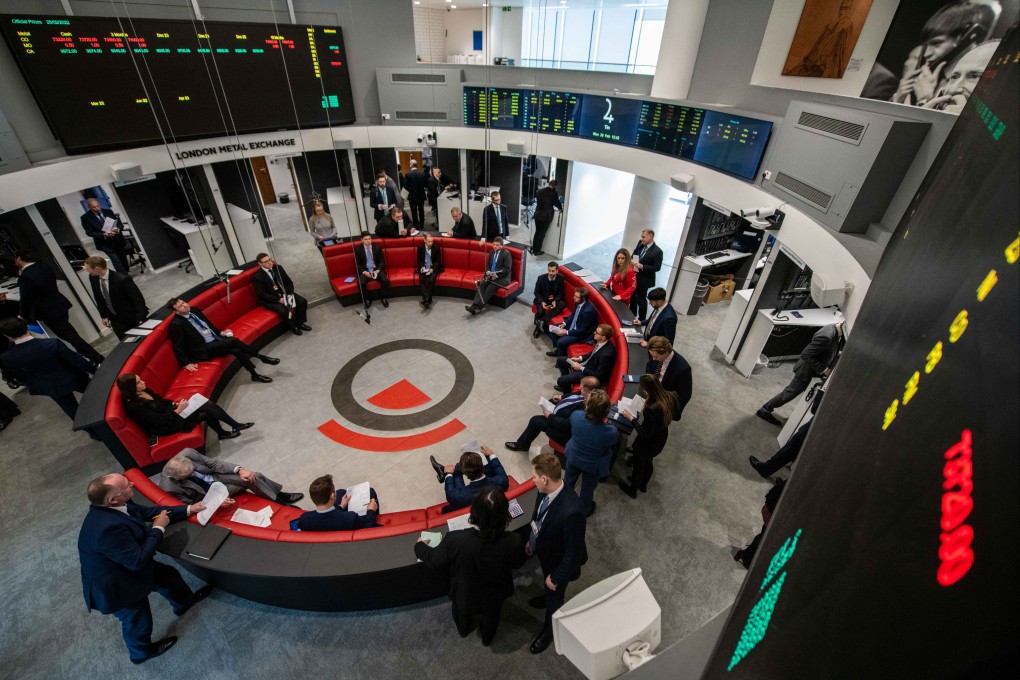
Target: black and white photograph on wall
[
  {"x": 935, "y": 51},
  {"x": 825, "y": 39}
]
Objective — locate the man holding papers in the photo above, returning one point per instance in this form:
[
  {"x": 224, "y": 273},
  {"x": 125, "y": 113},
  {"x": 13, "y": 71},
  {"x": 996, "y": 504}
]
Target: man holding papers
[
  {"x": 555, "y": 417},
  {"x": 468, "y": 478},
  {"x": 578, "y": 327},
  {"x": 188, "y": 476},
  {"x": 371, "y": 267},
  {"x": 120, "y": 303},
  {"x": 275, "y": 291},
  {"x": 103, "y": 225},
  {"x": 335, "y": 510}
]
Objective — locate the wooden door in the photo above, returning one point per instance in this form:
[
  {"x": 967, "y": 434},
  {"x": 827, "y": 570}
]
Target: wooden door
[
  {"x": 262, "y": 178},
  {"x": 405, "y": 158}
]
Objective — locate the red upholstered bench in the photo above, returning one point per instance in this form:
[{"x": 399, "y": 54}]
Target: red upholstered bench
[{"x": 463, "y": 263}]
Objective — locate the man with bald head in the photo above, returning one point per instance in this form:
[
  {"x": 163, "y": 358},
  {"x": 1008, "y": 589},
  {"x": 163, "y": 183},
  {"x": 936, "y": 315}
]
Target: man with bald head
[
  {"x": 116, "y": 547},
  {"x": 108, "y": 236}
]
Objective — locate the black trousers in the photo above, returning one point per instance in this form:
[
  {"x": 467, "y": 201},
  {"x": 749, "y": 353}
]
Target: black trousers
[
  {"x": 484, "y": 290},
  {"x": 788, "y": 453},
  {"x": 136, "y": 620},
  {"x": 240, "y": 350},
  {"x": 547, "y": 315},
  {"x": 428, "y": 283},
  {"x": 642, "y": 471},
  {"x": 121, "y": 325},
  {"x": 417, "y": 212},
  {"x": 213, "y": 415},
  {"x": 800, "y": 382},
  {"x": 639, "y": 300},
  {"x": 62, "y": 328},
  {"x": 384, "y": 284},
  {"x": 536, "y": 426},
  {"x": 300, "y": 311},
  {"x": 541, "y": 227},
  {"x": 553, "y": 601},
  {"x": 486, "y": 621},
  {"x": 118, "y": 257}
]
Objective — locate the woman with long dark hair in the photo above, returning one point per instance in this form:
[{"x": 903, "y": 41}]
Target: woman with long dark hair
[
  {"x": 162, "y": 417},
  {"x": 623, "y": 280},
  {"x": 481, "y": 563},
  {"x": 652, "y": 429}
]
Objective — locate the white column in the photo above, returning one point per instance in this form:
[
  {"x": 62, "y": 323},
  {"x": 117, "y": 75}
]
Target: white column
[
  {"x": 648, "y": 200},
  {"x": 681, "y": 37}
]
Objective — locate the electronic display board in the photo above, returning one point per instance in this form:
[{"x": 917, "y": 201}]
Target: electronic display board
[
  {"x": 669, "y": 128},
  {"x": 731, "y": 143},
  {"x": 610, "y": 119},
  {"x": 106, "y": 83},
  {"x": 498, "y": 107},
  {"x": 553, "y": 112}
]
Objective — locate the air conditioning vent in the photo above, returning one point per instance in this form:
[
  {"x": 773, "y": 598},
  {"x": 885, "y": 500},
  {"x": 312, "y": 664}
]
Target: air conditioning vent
[
  {"x": 418, "y": 78},
  {"x": 844, "y": 130},
  {"x": 802, "y": 190},
  {"x": 420, "y": 115}
]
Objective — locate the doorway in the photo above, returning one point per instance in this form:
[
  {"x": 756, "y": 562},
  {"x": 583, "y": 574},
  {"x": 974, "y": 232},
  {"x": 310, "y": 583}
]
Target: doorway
[{"x": 263, "y": 180}]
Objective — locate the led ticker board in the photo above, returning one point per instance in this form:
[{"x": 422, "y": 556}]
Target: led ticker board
[
  {"x": 105, "y": 83},
  {"x": 727, "y": 142}
]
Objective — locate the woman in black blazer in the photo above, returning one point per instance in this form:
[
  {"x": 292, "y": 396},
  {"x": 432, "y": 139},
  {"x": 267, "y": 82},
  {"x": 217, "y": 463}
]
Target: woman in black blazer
[
  {"x": 161, "y": 417},
  {"x": 652, "y": 431},
  {"x": 481, "y": 563}
]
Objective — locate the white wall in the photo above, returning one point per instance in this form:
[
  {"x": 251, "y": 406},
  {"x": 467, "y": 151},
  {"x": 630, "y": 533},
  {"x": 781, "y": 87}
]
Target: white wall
[
  {"x": 430, "y": 34},
  {"x": 513, "y": 25},
  {"x": 460, "y": 25},
  {"x": 599, "y": 198}
]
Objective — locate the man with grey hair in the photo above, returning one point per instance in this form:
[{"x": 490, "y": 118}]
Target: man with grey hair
[{"x": 188, "y": 475}]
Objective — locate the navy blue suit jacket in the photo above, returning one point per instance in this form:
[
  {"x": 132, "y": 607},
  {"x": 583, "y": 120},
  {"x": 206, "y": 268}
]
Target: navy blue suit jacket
[
  {"x": 52, "y": 368},
  {"x": 665, "y": 324},
  {"x": 459, "y": 495},
  {"x": 337, "y": 519},
  {"x": 560, "y": 542},
  {"x": 116, "y": 551},
  {"x": 677, "y": 380},
  {"x": 586, "y": 321}
]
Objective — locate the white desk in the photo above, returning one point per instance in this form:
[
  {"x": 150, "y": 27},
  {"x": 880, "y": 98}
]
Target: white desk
[
  {"x": 690, "y": 272},
  {"x": 764, "y": 323},
  {"x": 206, "y": 247}
]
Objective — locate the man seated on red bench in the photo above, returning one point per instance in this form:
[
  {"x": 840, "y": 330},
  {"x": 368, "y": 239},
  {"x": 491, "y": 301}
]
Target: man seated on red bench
[
  {"x": 369, "y": 260},
  {"x": 465, "y": 480},
  {"x": 331, "y": 514},
  {"x": 599, "y": 362},
  {"x": 196, "y": 339},
  {"x": 495, "y": 276},
  {"x": 394, "y": 225},
  {"x": 188, "y": 476},
  {"x": 275, "y": 290},
  {"x": 578, "y": 327},
  {"x": 548, "y": 301},
  {"x": 555, "y": 423}
]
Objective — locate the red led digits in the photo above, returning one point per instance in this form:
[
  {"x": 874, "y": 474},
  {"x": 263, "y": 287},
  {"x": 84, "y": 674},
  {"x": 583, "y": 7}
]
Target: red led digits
[{"x": 956, "y": 557}]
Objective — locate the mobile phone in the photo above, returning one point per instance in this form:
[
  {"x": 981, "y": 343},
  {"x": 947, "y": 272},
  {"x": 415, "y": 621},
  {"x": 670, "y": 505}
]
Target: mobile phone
[{"x": 798, "y": 315}]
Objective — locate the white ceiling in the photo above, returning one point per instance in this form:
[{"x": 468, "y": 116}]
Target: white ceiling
[{"x": 541, "y": 4}]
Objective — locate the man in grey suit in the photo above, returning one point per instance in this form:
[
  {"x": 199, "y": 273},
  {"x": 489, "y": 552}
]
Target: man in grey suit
[
  {"x": 496, "y": 276},
  {"x": 188, "y": 475},
  {"x": 817, "y": 359}
]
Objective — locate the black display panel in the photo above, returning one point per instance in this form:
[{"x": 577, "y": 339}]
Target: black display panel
[
  {"x": 104, "y": 83},
  {"x": 727, "y": 142}
]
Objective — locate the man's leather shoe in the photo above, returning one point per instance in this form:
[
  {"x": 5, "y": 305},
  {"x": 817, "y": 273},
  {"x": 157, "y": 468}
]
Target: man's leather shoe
[
  {"x": 759, "y": 466},
  {"x": 537, "y": 602},
  {"x": 471, "y": 309},
  {"x": 296, "y": 331},
  {"x": 768, "y": 417},
  {"x": 628, "y": 489},
  {"x": 553, "y": 353},
  {"x": 244, "y": 426},
  {"x": 288, "y": 498},
  {"x": 423, "y": 304},
  {"x": 385, "y": 302},
  {"x": 305, "y": 327},
  {"x": 272, "y": 361},
  {"x": 512, "y": 446},
  {"x": 368, "y": 303},
  {"x": 196, "y": 597},
  {"x": 440, "y": 472},
  {"x": 538, "y": 332},
  {"x": 541, "y": 643},
  {"x": 231, "y": 434},
  {"x": 157, "y": 649},
  {"x": 255, "y": 377}
]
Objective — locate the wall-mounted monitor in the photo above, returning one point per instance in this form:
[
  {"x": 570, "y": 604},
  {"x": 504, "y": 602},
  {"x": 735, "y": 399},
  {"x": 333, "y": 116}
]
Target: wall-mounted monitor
[{"x": 117, "y": 82}]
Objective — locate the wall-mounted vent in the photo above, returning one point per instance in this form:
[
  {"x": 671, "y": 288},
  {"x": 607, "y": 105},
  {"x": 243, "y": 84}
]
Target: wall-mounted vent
[
  {"x": 843, "y": 130},
  {"x": 420, "y": 115},
  {"x": 805, "y": 191},
  {"x": 418, "y": 78}
]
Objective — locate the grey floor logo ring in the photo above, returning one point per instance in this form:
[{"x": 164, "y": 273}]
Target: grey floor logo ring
[{"x": 348, "y": 407}]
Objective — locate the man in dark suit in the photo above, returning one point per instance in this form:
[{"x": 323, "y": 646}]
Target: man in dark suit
[
  {"x": 414, "y": 182},
  {"x": 463, "y": 225},
  {"x": 275, "y": 291},
  {"x": 435, "y": 185},
  {"x": 465, "y": 480},
  {"x": 548, "y": 301},
  {"x": 647, "y": 259},
  {"x": 555, "y": 423},
  {"x": 817, "y": 360},
  {"x": 118, "y": 299},
  {"x": 599, "y": 362},
  {"x": 49, "y": 367},
  {"x": 495, "y": 219},
  {"x": 578, "y": 327},
  {"x": 196, "y": 339},
  {"x": 188, "y": 475},
  {"x": 371, "y": 267},
  {"x": 42, "y": 301},
  {"x": 384, "y": 196},
  {"x": 118, "y": 571},
  {"x": 430, "y": 266},
  {"x": 110, "y": 241},
  {"x": 662, "y": 321},
  {"x": 546, "y": 199},
  {"x": 496, "y": 275},
  {"x": 331, "y": 514},
  {"x": 557, "y": 537},
  {"x": 394, "y": 225},
  {"x": 672, "y": 370}
]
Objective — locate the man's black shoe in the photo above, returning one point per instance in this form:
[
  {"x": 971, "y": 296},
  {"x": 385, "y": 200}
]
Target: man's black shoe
[
  {"x": 423, "y": 304},
  {"x": 553, "y": 353},
  {"x": 368, "y": 303},
  {"x": 385, "y": 302},
  {"x": 157, "y": 649},
  {"x": 255, "y": 377},
  {"x": 231, "y": 434},
  {"x": 538, "y": 332},
  {"x": 758, "y": 466},
  {"x": 296, "y": 331},
  {"x": 471, "y": 309},
  {"x": 244, "y": 426},
  {"x": 541, "y": 643},
  {"x": 305, "y": 327},
  {"x": 512, "y": 446},
  {"x": 537, "y": 602},
  {"x": 288, "y": 498},
  {"x": 440, "y": 472},
  {"x": 196, "y": 597},
  {"x": 768, "y": 417},
  {"x": 272, "y": 361},
  {"x": 628, "y": 489}
]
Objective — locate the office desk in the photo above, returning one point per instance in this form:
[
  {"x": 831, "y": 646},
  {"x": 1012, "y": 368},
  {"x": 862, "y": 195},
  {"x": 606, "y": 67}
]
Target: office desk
[
  {"x": 764, "y": 323},
  {"x": 206, "y": 247},
  {"x": 691, "y": 270}
]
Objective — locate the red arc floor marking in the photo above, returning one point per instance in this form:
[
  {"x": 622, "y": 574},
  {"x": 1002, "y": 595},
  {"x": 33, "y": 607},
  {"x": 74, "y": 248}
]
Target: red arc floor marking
[
  {"x": 399, "y": 395},
  {"x": 367, "y": 442}
]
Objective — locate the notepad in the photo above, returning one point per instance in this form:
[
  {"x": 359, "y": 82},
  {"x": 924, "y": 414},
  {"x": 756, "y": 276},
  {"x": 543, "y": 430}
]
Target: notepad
[
  {"x": 545, "y": 404},
  {"x": 195, "y": 402},
  {"x": 208, "y": 541},
  {"x": 432, "y": 538},
  {"x": 349, "y": 279},
  {"x": 360, "y": 498}
]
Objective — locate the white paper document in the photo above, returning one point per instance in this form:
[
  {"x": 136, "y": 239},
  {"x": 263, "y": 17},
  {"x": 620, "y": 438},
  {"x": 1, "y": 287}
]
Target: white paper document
[
  {"x": 633, "y": 404},
  {"x": 432, "y": 538},
  {"x": 584, "y": 272},
  {"x": 360, "y": 497},
  {"x": 214, "y": 498},
  {"x": 458, "y": 523},
  {"x": 262, "y": 518},
  {"x": 109, "y": 224},
  {"x": 545, "y": 404},
  {"x": 471, "y": 446},
  {"x": 138, "y": 331},
  {"x": 149, "y": 323},
  {"x": 195, "y": 402},
  {"x": 234, "y": 272}
]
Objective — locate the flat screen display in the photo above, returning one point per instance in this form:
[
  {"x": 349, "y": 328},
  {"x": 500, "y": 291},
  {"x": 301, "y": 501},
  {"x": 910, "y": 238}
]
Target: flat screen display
[
  {"x": 105, "y": 83},
  {"x": 610, "y": 119}
]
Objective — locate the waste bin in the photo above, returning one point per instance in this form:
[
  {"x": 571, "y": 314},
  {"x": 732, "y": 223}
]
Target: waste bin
[
  {"x": 283, "y": 198},
  {"x": 698, "y": 299},
  {"x": 760, "y": 365}
]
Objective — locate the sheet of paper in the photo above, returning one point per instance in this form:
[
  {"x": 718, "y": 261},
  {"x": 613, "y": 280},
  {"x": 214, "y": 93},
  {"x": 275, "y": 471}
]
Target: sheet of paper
[
  {"x": 634, "y": 339},
  {"x": 360, "y": 497},
  {"x": 515, "y": 509},
  {"x": 637, "y": 404},
  {"x": 584, "y": 272},
  {"x": 291, "y": 302},
  {"x": 432, "y": 538},
  {"x": 592, "y": 278},
  {"x": 214, "y": 498},
  {"x": 195, "y": 402},
  {"x": 545, "y": 404},
  {"x": 470, "y": 446},
  {"x": 261, "y": 518},
  {"x": 234, "y": 272},
  {"x": 109, "y": 224},
  {"x": 149, "y": 323},
  {"x": 138, "y": 331},
  {"x": 458, "y": 523},
  {"x": 624, "y": 405}
]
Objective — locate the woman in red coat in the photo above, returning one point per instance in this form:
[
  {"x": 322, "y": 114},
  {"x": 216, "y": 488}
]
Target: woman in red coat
[{"x": 623, "y": 280}]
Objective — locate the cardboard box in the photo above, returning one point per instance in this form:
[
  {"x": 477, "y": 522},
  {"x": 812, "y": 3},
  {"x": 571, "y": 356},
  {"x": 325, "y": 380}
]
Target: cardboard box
[{"x": 720, "y": 288}]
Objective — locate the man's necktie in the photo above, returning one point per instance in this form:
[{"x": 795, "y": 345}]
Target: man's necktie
[
  {"x": 573, "y": 320},
  {"x": 656, "y": 367},
  {"x": 648, "y": 326},
  {"x": 493, "y": 267},
  {"x": 369, "y": 259},
  {"x": 104, "y": 287}
]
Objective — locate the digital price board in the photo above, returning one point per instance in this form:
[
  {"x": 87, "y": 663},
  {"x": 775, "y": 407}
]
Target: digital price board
[
  {"x": 610, "y": 119},
  {"x": 105, "y": 83},
  {"x": 553, "y": 112}
]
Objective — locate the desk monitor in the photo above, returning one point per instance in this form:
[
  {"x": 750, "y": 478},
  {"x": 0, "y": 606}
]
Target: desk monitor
[{"x": 596, "y": 649}]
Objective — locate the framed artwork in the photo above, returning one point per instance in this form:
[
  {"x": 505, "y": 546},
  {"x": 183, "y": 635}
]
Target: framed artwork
[{"x": 826, "y": 36}]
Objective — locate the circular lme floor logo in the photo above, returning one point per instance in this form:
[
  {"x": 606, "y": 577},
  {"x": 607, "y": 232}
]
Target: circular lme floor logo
[{"x": 401, "y": 394}]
